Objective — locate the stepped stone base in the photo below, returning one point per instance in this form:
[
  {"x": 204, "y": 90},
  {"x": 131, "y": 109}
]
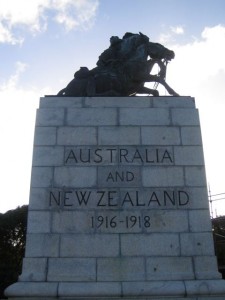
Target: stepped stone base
[
  {"x": 193, "y": 290},
  {"x": 118, "y": 204}
]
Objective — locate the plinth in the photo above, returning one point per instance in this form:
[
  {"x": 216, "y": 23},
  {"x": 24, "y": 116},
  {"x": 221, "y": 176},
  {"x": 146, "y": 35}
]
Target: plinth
[{"x": 118, "y": 202}]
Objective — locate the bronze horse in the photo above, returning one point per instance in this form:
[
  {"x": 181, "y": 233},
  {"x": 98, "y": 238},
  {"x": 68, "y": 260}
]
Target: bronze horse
[{"x": 123, "y": 69}]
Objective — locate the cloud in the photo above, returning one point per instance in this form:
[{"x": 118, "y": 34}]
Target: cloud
[
  {"x": 198, "y": 70},
  {"x": 11, "y": 83},
  {"x": 74, "y": 14},
  {"x": 7, "y": 37},
  {"x": 171, "y": 34},
  {"x": 34, "y": 16},
  {"x": 17, "y": 117},
  {"x": 177, "y": 30},
  {"x": 199, "y": 61}
]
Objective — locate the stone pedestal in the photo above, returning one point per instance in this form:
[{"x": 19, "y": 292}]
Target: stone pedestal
[{"x": 118, "y": 203}]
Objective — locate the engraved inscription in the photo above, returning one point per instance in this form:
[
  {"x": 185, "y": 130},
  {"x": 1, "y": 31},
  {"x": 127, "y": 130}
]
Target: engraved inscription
[
  {"x": 118, "y": 155},
  {"x": 119, "y": 203},
  {"x": 127, "y": 199},
  {"x": 114, "y": 221}
]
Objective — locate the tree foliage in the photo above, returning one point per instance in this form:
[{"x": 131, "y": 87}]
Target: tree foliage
[
  {"x": 13, "y": 225},
  {"x": 219, "y": 241}
]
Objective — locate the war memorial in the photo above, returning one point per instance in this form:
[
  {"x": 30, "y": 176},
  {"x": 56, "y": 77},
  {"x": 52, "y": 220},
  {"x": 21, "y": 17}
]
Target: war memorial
[{"x": 118, "y": 201}]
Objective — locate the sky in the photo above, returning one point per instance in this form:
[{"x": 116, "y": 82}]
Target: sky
[{"x": 43, "y": 42}]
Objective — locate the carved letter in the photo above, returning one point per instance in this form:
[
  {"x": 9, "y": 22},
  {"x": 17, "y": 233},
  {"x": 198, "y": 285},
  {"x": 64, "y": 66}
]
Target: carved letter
[
  {"x": 55, "y": 198},
  {"x": 137, "y": 200},
  {"x": 137, "y": 155},
  {"x": 111, "y": 198},
  {"x": 100, "y": 200},
  {"x": 71, "y": 156},
  {"x": 123, "y": 153},
  {"x": 66, "y": 197},
  {"x": 170, "y": 197},
  {"x": 82, "y": 198},
  {"x": 154, "y": 198},
  {"x": 166, "y": 155},
  {"x": 99, "y": 160},
  {"x": 129, "y": 176},
  {"x": 127, "y": 199},
  {"x": 88, "y": 159},
  {"x": 183, "y": 198},
  {"x": 110, "y": 177}
]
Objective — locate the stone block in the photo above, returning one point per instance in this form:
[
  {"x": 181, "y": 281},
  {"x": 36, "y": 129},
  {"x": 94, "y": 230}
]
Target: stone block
[
  {"x": 48, "y": 156},
  {"x": 75, "y": 177},
  {"x": 170, "y": 102},
  {"x": 162, "y": 176},
  {"x": 38, "y": 222},
  {"x": 50, "y": 117},
  {"x": 195, "y": 176},
  {"x": 34, "y": 269},
  {"x": 191, "y": 135},
  {"x": 38, "y": 199},
  {"x": 102, "y": 245},
  {"x": 72, "y": 222},
  {"x": 45, "y": 136},
  {"x": 167, "y": 221},
  {"x": 144, "y": 116},
  {"x": 95, "y": 289},
  {"x": 32, "y": 289},
  {"x": 42, "y": 245},
  {"x": 163, "y": 135},
  {"x": 119, "y": 135},
  {"x": 185, "y": 117},
  {"x": 76, "y": 136},
  {"x": 164, "y": 288},
  {"x": 154, "y": 244},
  {"x": 120, "y": 269},
  {"x": 69, "y": 136},
  {"x": 91, "y": 116},
  {"x": 199, "y": 221},
  {"x": 173, "y": 268},
  {"x": 188, "y": 155},
  {"x": 117, "y": 102},
  {"x": 206, "y": 267},
  {"x": 71, "y": 269},
  {"x": 196, "y": 244},
  {"x": 205, "y": 288},
  {"x": 198, "y": 198},
  {"x": 41, "y": 176},
  {"x": 57, "y": 102}
]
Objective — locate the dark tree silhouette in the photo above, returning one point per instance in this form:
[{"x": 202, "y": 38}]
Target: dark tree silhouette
[
  {"x": 13, "y": 225},
  {"x": 218, "y": 225}
]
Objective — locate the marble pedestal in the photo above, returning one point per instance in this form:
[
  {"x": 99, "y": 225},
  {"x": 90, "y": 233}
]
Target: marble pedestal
[{"x": 118, "y": 203}]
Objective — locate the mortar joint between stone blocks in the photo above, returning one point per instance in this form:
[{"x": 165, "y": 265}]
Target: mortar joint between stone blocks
[
  {"x": 83, "y": 102},
  {"x": 57, "y": 289},
  {"x": 65, "y": 116},
  {"x": 170, "y": 117},
  {"x": 193, "y": 267},
  {"x": 188, "y": 219},
  {"x": 179, "y": 240},
  {"x": 118, "y": 116}
]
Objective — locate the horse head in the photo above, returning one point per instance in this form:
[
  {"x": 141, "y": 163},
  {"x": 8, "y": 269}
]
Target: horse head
[
  {"x": 139, "y": 46},
  {"x": 158, "y": 51}
]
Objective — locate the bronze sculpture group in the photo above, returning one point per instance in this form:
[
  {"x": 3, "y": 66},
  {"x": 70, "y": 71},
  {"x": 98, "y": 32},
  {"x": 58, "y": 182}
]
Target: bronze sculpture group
[{"x": 123, "y": 69}]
